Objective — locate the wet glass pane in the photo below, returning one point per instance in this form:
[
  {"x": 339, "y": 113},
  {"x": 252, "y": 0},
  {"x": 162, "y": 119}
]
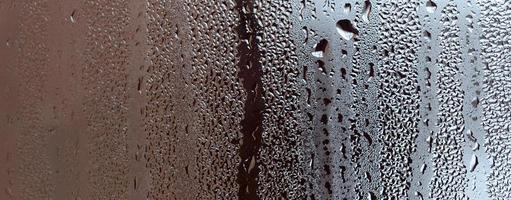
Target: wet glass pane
[{"x": 255, "y": 99}]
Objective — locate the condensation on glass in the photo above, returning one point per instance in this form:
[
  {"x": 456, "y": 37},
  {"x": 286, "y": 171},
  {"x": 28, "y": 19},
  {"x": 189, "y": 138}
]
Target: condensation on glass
[{"x": 255, "y": 99}]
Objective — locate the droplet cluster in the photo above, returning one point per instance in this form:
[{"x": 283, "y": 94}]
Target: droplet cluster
[
  {"x": 448, "y": 168},
  {"x": 364, "y": 124},
  {"x": 398, "y": 95},
  {"x": 104, "y": 77},
  {"x": 218, "y": 96},
  {"x": 164, "y": 88},
  {"x": 33, "y": 169},
  {"x": 281, "y": 173},
  {"x": 496, "y": 101}
]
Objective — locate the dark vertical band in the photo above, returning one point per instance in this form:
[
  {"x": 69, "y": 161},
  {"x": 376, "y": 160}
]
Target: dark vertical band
[{"x": 250, "y": 72}]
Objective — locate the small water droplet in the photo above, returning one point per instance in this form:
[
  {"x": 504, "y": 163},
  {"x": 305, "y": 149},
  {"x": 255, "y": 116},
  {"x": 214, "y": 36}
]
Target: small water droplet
[
  {"x": 366, "y": 11},
  {"x": 475, "y": 147},
  {"x": 419, "y": 195},
  {"x": 320, "y": 48},
  {"x": 347, "y": 8},
  {"x": 475, "y": 102},
  {"x": 430, "y": 6},
  {"x": 427, "y": 35},
  {"x": 72, "y": 16},
  {"x": 473, "y": 163},
  {"x": 470, "y": 136}
]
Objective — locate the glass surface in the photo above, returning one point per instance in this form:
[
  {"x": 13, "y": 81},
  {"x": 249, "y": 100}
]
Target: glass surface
[{"x": 255, "y": 99}]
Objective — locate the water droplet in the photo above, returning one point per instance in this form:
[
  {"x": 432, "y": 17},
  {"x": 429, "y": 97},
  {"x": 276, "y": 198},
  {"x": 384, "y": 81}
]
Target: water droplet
[
  {"x": 347, "y": 8},
  {"x": 72, "y": 16},
  {"x": 427, "y": 35},
  {"x": 366, "y": 11},
  {"x": 346, "y": 29},
  {"x": 475, "y": 147},
  {"x": 430, "y": 6},
  {"x": 320, "y": 48},
  {"x": 419, "y": 195},
  {"x": 470, "y": 136},
  {"x": 475, "y": 102},
  {"x": 473, "y": 163}
]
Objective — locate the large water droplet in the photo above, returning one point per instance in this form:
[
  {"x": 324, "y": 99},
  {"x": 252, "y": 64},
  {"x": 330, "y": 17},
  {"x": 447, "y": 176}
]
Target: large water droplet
[{"x": 346, "y": 29}]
